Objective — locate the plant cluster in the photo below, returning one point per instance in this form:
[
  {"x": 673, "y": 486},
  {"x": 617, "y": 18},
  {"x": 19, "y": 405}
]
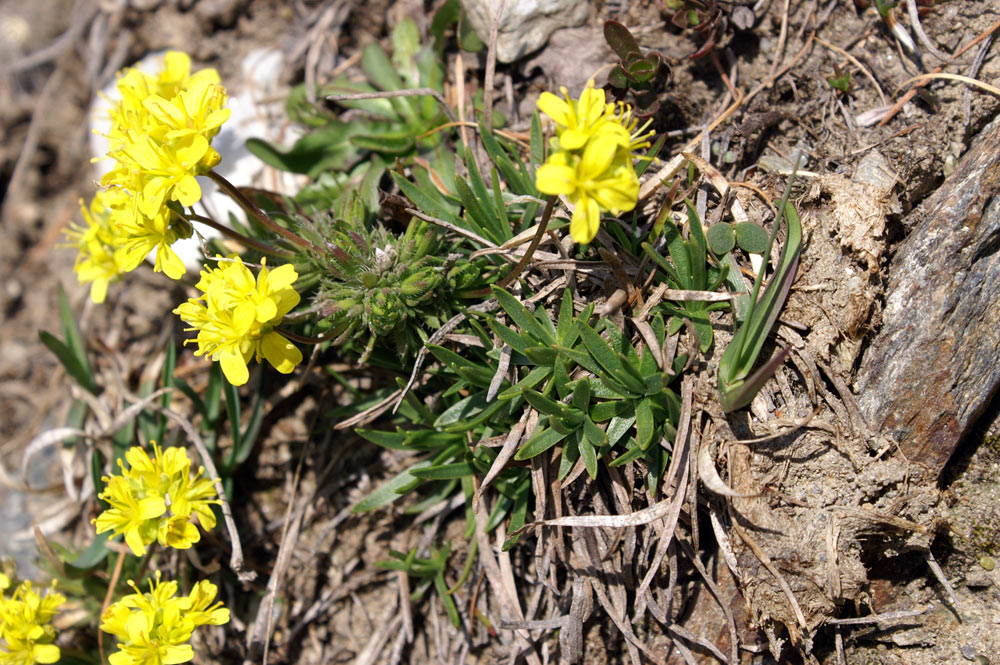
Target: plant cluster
[{"x": 409, "y": 247}]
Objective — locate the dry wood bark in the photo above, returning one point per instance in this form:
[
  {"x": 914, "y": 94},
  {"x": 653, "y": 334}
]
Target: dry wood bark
[{"x": 933, "y": 366}]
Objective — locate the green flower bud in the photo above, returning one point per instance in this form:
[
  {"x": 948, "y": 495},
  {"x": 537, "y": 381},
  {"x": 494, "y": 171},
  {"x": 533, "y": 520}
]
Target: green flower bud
[
  {"x": 420, "y": 284},
  {"x": 383, "y": 310}
]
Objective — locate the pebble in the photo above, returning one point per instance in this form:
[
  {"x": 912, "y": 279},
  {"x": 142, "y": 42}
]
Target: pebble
[{"x": 987, "y": 563}]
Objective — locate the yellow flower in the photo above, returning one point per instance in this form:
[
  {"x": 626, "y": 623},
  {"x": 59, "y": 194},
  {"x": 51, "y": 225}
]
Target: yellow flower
[
  {"x": 25, "y": 632},
  {"x": 602, "y": 179},
  {"x": 580, "y": 120},
  {"x": 154, "y": 628},
  {"x": 236, "y": 316},
  {"x": 154, "y": 499},
  {"x": 159, "y": 140},
  {"x": 99, "y": 260}
]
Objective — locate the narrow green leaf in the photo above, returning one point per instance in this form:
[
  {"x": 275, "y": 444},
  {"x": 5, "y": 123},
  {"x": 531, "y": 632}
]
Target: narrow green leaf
[
  {"x": 644, "y": 424},
  {"x": 588, "y": 453},
  {"x": 430, "y": 202},
  {"x": 533, "y": 378},
  {"x": 618, "y": 427},
  {"x": 389, "y": 491},
  {"x": 444, "y": 471},
  {"x": 69, "y": 361},
  {"x": 543, "y": 439},
  {"x": 599, "y": 349},
  {"x": 520, "y": 315}
]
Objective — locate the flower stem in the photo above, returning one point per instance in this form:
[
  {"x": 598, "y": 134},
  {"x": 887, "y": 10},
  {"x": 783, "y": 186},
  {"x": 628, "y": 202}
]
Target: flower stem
[
  {"x": 519, "y": 268},
  {"x": 258, "y": 214},
  {"x": 107, "y": 599},
  {"x": 301, "y": 339},
  {"x": 239, "y": 237}
]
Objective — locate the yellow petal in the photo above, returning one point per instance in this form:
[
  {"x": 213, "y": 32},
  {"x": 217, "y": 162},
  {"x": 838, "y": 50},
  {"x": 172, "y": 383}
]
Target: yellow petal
[
  {"x": 134, "y": 541},
  {"x": 45, "y": 653},
  {"x": 168, "y": 262},
  {"x": 234, "y": 367},
  {"x": 282, "y": 354},
  {"x": 554, "y": 107},
  {"x": 553, "y": 177},
  {"x": 586, "y": 220}
]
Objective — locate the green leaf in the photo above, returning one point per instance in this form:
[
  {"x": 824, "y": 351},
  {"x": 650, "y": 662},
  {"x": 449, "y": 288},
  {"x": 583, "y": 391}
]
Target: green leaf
[
  {"x": 618, "y": 427},
  {"x": 644, "y": 424},
  {"x": 520, "y": 315},
  {"x": 444, "y": 471},
  {"x": 721, "y": 238},
  {"x": 69, "y": 361},
  {"x": 544, "y": 405},
  {"x": 534, "y": 377},
  {"x": 589, "y": 454},
  {"x": 620, "y": 39},
  {"x": 751, "y": 237},
  {"x": 606, "y": 357},
  {"x": 432, "y": 202},
  {"x": 542, "y": 439},
  {"x": 607, "y": 410},
  {"x": 394, "y": 143},
  {"x": 95, "y": 553},
  {"x": 594, "y": 434},
  {"x": 71, "y": 333},
  {"x": 390, "y": 491}
]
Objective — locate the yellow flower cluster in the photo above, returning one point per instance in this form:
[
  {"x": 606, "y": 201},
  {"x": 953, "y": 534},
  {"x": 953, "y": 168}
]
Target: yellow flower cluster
[
  {"x": 159, "y": 139},
  {"x": 26, "y": 633},
  {"x": 236, "y": 316},
  {"x": 155, "y": 499},
  {"x": 591, "y": 162},
  {"x": 154, "y": 628}
]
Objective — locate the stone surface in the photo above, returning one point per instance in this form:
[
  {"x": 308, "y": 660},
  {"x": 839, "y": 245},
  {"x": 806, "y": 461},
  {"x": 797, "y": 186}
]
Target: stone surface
[
  {"x": 524, "y": 25},
  {"x": 933, "y": 366}
]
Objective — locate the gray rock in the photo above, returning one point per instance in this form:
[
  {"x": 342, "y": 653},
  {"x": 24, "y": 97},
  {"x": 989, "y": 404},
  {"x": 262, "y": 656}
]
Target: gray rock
[{"x": 524, "y": 25}]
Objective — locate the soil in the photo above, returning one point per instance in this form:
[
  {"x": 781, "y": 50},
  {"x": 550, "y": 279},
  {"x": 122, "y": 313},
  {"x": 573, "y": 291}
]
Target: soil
[{"x": 850, "y": 525}]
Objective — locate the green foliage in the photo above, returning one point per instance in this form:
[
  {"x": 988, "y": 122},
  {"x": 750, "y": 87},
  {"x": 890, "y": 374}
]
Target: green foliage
[
  {"x": 841, "y": 80},
  {"x": 430, "y": 571},
  {"x": 644, "y": 74},
  {"x": 689, "y": 269},
  {"x": 377, "y": 130},
  {"x": 737, "y": 386},
  {"x": 702, "y": 17}
]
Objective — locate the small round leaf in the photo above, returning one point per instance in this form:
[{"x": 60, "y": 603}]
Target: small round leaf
[
  {"x": 751, "y": 237},
  {"x": 721, "y": 238}
]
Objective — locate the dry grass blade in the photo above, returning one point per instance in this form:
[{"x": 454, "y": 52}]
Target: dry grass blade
[
  {"x": 723, "y": 605},
  {"x": 911, "y": 10},
  {"x": 709, "y": 475},
  {"x": 679, "y": 469},
  {"x": 943, "y": 579},
  {"x": 923, "y": 78},
  {"x": 504, "y": 590},
  {"x": 682, "y": 632}
]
